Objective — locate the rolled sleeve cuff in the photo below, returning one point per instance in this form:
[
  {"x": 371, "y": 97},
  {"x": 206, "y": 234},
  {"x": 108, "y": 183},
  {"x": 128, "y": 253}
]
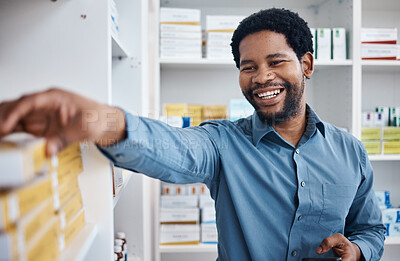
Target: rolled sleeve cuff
[
  {"x": 364, "y": 248},
  {"x": 118, "y": 153}
]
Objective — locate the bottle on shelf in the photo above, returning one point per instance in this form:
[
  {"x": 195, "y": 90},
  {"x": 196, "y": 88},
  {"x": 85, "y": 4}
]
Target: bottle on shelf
[
  {"x": 118, "y": 252},
  {"x": 122, "y": 236}
]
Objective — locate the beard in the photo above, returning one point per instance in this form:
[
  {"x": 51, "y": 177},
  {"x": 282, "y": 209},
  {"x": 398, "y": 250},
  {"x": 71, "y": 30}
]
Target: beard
[{"x": 291, "y": 106}]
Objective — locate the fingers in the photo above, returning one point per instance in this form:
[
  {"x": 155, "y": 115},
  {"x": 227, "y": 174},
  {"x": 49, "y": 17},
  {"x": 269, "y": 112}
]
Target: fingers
[{"x": 334, "y": 241}]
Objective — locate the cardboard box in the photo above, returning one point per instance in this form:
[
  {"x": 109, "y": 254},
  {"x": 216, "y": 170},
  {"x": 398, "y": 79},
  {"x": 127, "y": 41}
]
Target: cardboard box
[
  {"x": 205, "y": 201},
  {"x": 181, "y": 42},
  {"x": 181, "y": 55},
  {"x": 208, "y": 215},
  {"x": 339, "y": 45},
  {"x": 22, "y": 155},
  {"x": 324, "y": 44},
  {"x": 378, "y": 51},
  {"x": 74, "y": 226},
  {"x": 181, "y": 35},
  {"x": 373, "y": 147},
  {"x": 391, "y": 147},
  {"x": 222, "y": 23},
  {"x": 70, "y": 210},
  {"x": 66, "y": 155},
  {"x": 371, "y": 133},
  {"x": 65, "y": 192},
  {"x": 68, "y": 170},
  {"x": 179, "y": 201},
  {"x": 179, "y": 234},
  {"x": 180, "y": 28},
  {"x": 179, "y": 216},
  {"x": 379, "y": 35}
]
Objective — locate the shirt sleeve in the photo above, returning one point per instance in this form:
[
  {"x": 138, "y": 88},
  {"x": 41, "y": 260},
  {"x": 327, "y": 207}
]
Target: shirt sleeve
[
  {"x": 364, "y": 222},
  {"x": 170, "y": 154}
]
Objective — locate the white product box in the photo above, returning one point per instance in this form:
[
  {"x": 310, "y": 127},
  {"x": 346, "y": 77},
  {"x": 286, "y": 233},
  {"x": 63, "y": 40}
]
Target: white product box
[
  {"x": 339, "y": 44},
  {"x": 180, "y": 28},
  {"x": 314, "y": 40},
  {"x": 222, "y": 22},
  {"x": 204, "y": 190},
  {"x": 239, "y": 108},
  {"x": 180, "y": 55},
  {"x": 194, "y": 189},
  {"x": 367, "y": 119},
  {"x": 392, "y": 230},
  {"x": 181, "y": 42},
  {"x": 378, "y": 119},
  {"x": 383, "y": 207},
  {"x": 378, "y": 51},
  {"x": 179, "y": 215},
  {"x": 205, "y": 201},
  {"x": 385, "y": 114},
  {"x": 383, "y": 197},
  {"x": 180, "y": 15},
  {"x": 324, "y": 43},
  {"x": 179, "y": 201},
  {"x": 208, "y": 215},
  {"x": 178, "y": 49},
  {"x": 379, "y": 35},
  {"x": 179, "y": 234},
  {"x": 219, "y": 52},
  {"x": 209, "y": 233},
  {"x": 219, "y": 36},
  {"x": 391, "y": 215},
  {"x": 398, "y": 52},
  {"x": 180, "y": 35}
]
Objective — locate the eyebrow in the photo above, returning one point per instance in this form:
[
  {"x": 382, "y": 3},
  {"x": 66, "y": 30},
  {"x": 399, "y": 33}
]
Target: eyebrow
[{"x": 270, "y": 56}]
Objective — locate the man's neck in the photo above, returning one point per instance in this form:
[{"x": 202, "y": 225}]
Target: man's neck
[{"x": 293, "y": 129}]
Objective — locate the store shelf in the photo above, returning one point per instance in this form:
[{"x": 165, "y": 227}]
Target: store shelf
[
  {"x": 193, "y": 63},
  {"x": 380, "y": 63},
  {"x": 201, "y": 248},
  {"x": 81, "y": 244},
  {"x": 384, "y": 157},
  {"x": 126, "y": 176},
  {"x": 118, "y": 50},
  {"x": 392, "y": 241}
]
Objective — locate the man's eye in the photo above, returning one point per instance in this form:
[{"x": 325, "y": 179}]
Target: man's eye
[
  {"x": 277, "y": 62},
  {"x": 247, "y": 68}
]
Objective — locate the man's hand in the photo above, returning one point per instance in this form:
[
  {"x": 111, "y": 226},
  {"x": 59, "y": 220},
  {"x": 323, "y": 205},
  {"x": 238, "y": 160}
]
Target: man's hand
[
  {"x": 341, "y": 246},
  {"x": 63, "y": 118}
]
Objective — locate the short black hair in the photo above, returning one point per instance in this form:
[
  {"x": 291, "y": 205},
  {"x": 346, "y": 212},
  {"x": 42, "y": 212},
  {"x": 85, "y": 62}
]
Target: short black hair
[{"x": 279, "y": 20}]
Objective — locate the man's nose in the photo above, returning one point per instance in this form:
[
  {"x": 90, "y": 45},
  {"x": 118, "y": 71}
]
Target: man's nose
[{"x": 263, "y": 76}]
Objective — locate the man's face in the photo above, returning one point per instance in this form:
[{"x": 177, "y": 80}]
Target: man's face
[{"x": 271, "y": 76}]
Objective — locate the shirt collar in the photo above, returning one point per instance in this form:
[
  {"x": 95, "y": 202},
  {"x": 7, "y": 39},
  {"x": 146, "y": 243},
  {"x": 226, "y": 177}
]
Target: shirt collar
[{"x": 260, "y": 129}]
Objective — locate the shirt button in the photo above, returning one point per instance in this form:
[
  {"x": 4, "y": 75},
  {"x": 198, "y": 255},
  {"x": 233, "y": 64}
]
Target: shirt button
[
  {"x": 300, "y": 218},
  {"x": 294, "y": 253},
  {"x": 302, "y": 183},
  {"x": 297, "y": 151}
]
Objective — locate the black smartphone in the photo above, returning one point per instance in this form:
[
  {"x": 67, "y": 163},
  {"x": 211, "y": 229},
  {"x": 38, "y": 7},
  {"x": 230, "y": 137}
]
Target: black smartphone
[{"x": 323, "y": 259}]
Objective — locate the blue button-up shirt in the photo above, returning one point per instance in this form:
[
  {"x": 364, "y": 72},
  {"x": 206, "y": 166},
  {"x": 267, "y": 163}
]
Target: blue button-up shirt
[{"x": 273, "y": 201}]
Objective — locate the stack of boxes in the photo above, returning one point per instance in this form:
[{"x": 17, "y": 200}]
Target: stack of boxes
[
  {"x": 329, "y": 43},
  {"x": 219, "y": 30},
  {"x": 41, "y": 206},
  {"x": 180, "y": 33},
  {"x": 390, "y": 215},
  {"x": 379, "y": 44},
  {"x": 380, "y": 132},
  {"x": 180, "y": 215}
]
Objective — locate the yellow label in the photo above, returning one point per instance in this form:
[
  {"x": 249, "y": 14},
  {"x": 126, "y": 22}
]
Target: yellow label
[
  {"x": 39, "y": 248},
  {"x": 39, "y": 157},
  {"x": 69, "y": 170},
  {"x": 391, "y": 147},
  {"x": 69, "y": 153},
  {"x": 370, "y": 133},
  {"x": 67, "y": 190},
  {"x": 215, "y": 112},
  {"x": 171, "y": 109},
  {"x": 33, "y": 226},
  {"x": 72, "y": 207},
  {"x": 373, "y": 147},
  {"x": 74, "y": 227}
]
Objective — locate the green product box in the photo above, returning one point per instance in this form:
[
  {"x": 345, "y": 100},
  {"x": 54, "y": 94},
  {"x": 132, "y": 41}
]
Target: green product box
[
  {"x": 391, "y": 133},
  {"x": 372, "y": 147},
  {"x": 368, "y": 133},
  {"x": 391, "y": 147}
]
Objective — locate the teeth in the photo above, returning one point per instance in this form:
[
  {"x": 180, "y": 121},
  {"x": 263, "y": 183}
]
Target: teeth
[{"x": 269, "y": 94}]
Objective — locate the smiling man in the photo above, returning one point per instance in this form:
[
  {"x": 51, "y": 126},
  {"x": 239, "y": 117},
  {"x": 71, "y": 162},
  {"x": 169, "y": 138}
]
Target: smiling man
[{"x": 286, "y": 185}]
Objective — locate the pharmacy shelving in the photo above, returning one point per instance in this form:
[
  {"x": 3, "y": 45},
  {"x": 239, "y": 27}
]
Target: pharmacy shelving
[
  {"x": 392, "y": 241},
  {"x": 201, "y": 248},
  {"x": 382, "y": 63},
  {"x": 118, "y": 49},
  {"x": 126, "y": 178},
  {"x": 389, "y": 157}
]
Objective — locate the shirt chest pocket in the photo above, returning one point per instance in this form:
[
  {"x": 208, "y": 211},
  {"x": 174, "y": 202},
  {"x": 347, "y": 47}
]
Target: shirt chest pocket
[{"x": 337, "y": 200}]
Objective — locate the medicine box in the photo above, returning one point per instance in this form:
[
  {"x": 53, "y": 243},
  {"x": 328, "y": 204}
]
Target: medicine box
[
  {"x": 324, "y": 43},
  {"x": 179, "y": 201},
  {"x": 222, "y": 23},
  {"x": 208, "y": 215},
  {"x": 209, "y": 234},
  {"x": 393, "y": 230},
  {"x": 205, "y": 201},
  {"x": 368, "y": 133},
  {"x": 180, "y": 28},
  {"x": 391, "y": 133},
  {"x": 373, "y": 147},
  {"x": 179, "y": 234},
  {"x": 62, "y": 193},
  {"x": 383, "y": 197},
  {"x": 179, "y": 16},
  {"x": 74, "y": 226},
  {"x": 378, "y": 51},
  {"x": 70, "y": 209},
  {"x": 179, "y": 215},
  {"x": 391, "y": 215},
  {"x": 339, "y": 44},
  {"x": 214, "y": 112},
  {"x": 379, "y": 35},
  {"x": 391, "y": 147}
]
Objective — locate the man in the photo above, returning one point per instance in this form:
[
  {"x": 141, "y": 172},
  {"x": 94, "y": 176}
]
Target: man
[{"x": 286, "y": 184}]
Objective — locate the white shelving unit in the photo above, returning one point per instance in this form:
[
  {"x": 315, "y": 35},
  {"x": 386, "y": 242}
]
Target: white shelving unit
[
  {"x": 201, "y": 248},
  {"x": 68, "y": 44}
]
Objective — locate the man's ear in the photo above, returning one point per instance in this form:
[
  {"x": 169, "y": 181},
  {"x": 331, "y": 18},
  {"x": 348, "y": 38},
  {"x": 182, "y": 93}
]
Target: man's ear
[{"x": 307, "y": 62}]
